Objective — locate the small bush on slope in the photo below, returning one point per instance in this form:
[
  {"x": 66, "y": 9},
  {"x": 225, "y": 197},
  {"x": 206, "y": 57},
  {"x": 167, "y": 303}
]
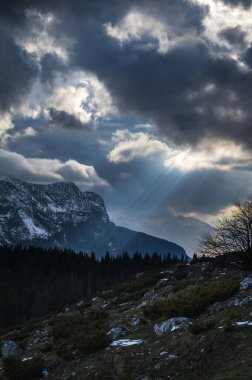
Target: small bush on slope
[
  {"x": 192, "y": 301},
  {"x": 199, "y": 327},
  {"x": 15, "y": 369},
  {"x": 86, "y": 333}
]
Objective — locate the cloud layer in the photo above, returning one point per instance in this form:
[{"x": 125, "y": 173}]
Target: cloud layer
[
  {"x": 149, "y": 104},
  {"x": 48, "y": 170}
]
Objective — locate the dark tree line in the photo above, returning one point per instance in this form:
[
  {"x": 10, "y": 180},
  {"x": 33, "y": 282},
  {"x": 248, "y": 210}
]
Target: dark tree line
[{"x": 37, "y": 281}]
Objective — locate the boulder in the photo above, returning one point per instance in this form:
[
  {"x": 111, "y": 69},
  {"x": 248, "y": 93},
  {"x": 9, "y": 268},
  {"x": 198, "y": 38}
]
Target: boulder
[
  {"x": 246, "y": 284},
  {"x": 98, "y": 303},
  {"x": 135, "y": 322},
  {"x": 148, "y": 298},
  {"x": 116, "y": 332},
  {"x": 172, "y": 324},
  {"x": 162, "y": 353},
  {"x": 172, "y": 357},
  {"x": 246, "y": 301},
  {"x": 218, "y": 306},
  {"x": 10, "y": 349}
]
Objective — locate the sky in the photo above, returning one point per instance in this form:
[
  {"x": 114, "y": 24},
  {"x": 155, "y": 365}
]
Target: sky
[{"x": 148, "y": 103}]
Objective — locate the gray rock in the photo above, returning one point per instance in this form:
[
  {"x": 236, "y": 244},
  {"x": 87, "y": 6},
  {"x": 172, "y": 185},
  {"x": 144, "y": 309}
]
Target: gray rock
[
  {"x": 246, "y": 284},
  {"x": 148, "y": 298},
  {"x": 81, "y": 303},
  {"x": 135, "y": 322},
  {"x": 97, "y": 303},
  {"x": 172, "y": 357},
  {"x": 238, "y": 302},
  {"x": 172, "y": 324},
  {"x": 235, "y": 302},
  {"x": 162, "y": 353},
  {"x": 10, "y": 349},
  {"x": 125, "y": 304},
  {"x": 218, "y": 306},
  {"x": 116, "y": 332},
  {"x": 246, "y": 301},
  {"x": 162, "y": 282}
]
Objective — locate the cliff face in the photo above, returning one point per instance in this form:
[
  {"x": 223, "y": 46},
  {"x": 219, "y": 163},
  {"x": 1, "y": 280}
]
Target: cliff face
[{"x": 60, "y": 215}]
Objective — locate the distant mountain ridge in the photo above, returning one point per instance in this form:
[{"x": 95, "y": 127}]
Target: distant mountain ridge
[
  {"x": 185, "y": 230},
  {"x": 61, "y": 215}
]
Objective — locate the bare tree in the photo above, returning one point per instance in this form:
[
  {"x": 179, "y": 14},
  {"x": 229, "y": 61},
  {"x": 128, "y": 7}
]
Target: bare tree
[{"x": 231, "y": 234}]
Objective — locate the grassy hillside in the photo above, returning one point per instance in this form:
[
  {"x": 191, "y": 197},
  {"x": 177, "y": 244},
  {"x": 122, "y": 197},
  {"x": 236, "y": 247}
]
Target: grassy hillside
[{"x": 78, "y": 342}]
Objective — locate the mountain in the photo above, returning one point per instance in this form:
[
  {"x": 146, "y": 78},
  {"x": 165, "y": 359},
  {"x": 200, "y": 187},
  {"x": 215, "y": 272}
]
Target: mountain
[
  {"x": 164, "y": 224},
  {"x": 61, "y": 215}
]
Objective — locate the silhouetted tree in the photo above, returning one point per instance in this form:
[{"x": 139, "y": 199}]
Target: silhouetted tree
[{"x": 232, "y": 234}]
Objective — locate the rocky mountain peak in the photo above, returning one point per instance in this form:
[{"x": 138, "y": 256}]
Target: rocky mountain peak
[{"x": 61, "y": 215}]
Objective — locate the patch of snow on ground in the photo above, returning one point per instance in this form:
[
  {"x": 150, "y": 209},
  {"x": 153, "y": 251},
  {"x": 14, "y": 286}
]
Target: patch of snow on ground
[
  {"x": 25, "y": 359},
  {"x": 126, "y": 342},
  {"x": 175, "y": 328},
  {"x": 246, "y": 323}
]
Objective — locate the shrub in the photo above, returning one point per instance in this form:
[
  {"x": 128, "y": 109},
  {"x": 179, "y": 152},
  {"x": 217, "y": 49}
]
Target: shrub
[
  {"x": 137, "y": 284},
  {"x": 130, "y": 297},
  {"x": 199, "y": 327},
  {"x": 229, "y": 325},
  {"x": 180, "y": 285},
  {"x": 104, "y": 374},
  {"x": 86, "y": 333},
  {"x": 46, "y": 347},
  {"x": 181, "y": 273},
  {"x": 192, "y": 301},
  {"x": 15, "y": 369},
  {"x": 91, "y": 341}
]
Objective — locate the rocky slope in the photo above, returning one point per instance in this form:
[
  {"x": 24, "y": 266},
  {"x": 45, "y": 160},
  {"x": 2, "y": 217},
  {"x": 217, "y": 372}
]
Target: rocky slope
[
  {"x": 61, "y": 215},
  {"x": 139, "y": 331}
]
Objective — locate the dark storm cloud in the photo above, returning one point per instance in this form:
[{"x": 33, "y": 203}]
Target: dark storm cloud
[
  {"x": 128, "y": 73},
  {"x": 17, "y": 68},
  {"x": 235, "y": 3},
  {"x": 235, "y": 36},
  {"x": 208, "y": 191},
  {"x": 50, "y": 66},
  {"x": 14, "y": 11},
  {"x": 168, "y": 88},
  {"x": 248, "y": 57},
  {"x": 56, "y": 142},
  {"x": 63, "y": 119},
  {"x": 16, "y": 72},
  {"x": 171, "y": 88}
]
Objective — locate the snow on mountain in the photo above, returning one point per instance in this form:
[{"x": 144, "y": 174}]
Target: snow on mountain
[{"x": 61, "y": 215}]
